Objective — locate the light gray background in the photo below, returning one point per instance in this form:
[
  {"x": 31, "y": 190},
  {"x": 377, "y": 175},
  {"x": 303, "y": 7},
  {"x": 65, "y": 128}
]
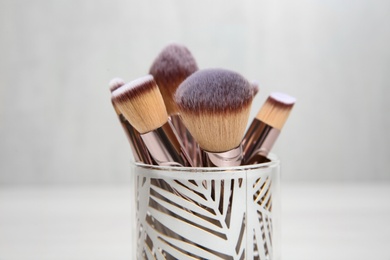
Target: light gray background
[{"x": 57, "y": 125}]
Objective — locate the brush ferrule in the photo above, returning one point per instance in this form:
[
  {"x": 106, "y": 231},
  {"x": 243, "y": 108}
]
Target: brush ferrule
[
  {"x": 258, "y": 141},
  {"x": 225, "y": 159},
  {"x": 165, "y": 148}
]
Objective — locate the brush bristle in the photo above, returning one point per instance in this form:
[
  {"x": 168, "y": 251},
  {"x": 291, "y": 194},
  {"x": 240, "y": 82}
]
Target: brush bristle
[
  {"x": 141, "y": 103},
  {"x": 276, "y": 109},
  {"x": 215, "y": 105},
  {"x": 215, "y": 90},
  {"x": 173, "y": 65},
  {"x": 255, "y": 87},
  {"x": 115, "y": 83}
]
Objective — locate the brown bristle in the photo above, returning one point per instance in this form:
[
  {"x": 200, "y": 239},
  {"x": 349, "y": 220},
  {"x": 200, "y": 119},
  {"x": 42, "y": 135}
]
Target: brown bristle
[
  {"x": 117, "y": 111},
  {"x": 217, "y": 132},
  {"x": 115, "y": 83},
  {"x": 215, "y": 106},
  {"x": 173, "y": 65},
  {"x": 276, "y": 109},
  {"x": 141, "y": 103}
]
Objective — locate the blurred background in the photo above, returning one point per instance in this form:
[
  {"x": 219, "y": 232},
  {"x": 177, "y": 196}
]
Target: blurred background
[
  {"x": 58, "y": 129},
  {"x": 57, "y": 125}
]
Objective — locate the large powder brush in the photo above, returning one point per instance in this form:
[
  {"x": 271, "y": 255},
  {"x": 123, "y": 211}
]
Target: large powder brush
[
  {"x": 170, "y": 68},
  {"x": 215, "y": 106}
]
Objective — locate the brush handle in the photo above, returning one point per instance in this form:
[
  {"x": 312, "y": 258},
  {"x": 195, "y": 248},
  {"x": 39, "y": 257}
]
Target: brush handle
[
  {"x": 258, "y": 141},
  {"x": 138, "y": 148},
  {"x": 189, "y": 143},
  {"x": 165, "y": 148},
  {"x": 225, "y": 159}
]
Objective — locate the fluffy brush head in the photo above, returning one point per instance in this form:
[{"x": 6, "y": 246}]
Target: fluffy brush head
[
  {"x": 255, "y": 87},
  {"x": 276, "y": 109},
  {"x": 115, "y": 83},
  {"x": 215, "y": 105},
  {"x": 214, "y": 90},
  {"x": 173, "y": 65},
  {"x": 141, "y": 103}
]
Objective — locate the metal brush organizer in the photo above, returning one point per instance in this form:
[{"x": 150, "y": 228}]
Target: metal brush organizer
[{"x": 207, "y": 213}]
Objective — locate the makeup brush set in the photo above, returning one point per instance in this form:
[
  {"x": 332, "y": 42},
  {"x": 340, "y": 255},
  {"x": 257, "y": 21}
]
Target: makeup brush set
[{"x": 180, "y": 115}]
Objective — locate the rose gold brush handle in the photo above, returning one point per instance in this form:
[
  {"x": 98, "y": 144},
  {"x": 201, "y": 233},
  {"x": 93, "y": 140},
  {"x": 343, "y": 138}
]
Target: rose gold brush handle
[
  {"x": 138, "y": 148},
  {"x": 258, "y": 141},
  {"x": 224, "y": 159},
  {"x": 165, "y": 148},
  {"x": 188, "y": 142},
  {"x": 181, "y": 131}
]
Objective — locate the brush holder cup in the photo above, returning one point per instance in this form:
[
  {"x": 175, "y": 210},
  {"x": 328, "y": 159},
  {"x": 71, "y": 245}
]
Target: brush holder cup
[{"x": 207, "y": 213}]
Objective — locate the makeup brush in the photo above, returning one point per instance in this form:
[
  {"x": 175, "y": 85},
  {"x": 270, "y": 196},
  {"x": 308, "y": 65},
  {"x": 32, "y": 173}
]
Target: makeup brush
[
  {"x": 115, "y": 83},
  {"x": 170, "y": 68},
  {"x": 141, "y": 103},
  {"x": 215, "y": 105},
  {"x": 255, "y": 87},
  {"x": 137, "y": 146},
  {"x": 265, "y": 128}
]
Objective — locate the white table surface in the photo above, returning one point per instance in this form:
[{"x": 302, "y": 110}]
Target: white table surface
[{"x": 319, "y": 221}]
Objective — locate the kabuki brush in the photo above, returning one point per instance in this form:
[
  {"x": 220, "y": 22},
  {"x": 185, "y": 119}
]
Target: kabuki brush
[
  {"x": 170, "y": 68},
  {"x": 141, "y": 103},
  {"x": 215, "y": 105},
  {"x": 137, "y": 146},
  {"x": 265, "y": 128}
]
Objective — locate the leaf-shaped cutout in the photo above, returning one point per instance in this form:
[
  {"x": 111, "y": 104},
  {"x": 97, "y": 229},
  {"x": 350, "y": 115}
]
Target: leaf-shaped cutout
[
  {"x": 198, "y": 226},
  {"x": 259, "y": 239},
  {"x": 198, "y": 221},
  {"x": 260, "y": 193},
  {"x": 143, "y": 185},
  {"x": 193, "y": 250},
  {"x": 179, "y": 201},
  {"x": 186, "y": 218}
]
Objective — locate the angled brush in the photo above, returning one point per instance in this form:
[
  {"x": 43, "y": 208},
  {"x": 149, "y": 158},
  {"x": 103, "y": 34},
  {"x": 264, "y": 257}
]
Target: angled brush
[
  {"x": 137, "y": 146},
  {"x": 215, "y": 105},
  {"x": 141, "y": 103},
  {"x": 265, "y": 128}
]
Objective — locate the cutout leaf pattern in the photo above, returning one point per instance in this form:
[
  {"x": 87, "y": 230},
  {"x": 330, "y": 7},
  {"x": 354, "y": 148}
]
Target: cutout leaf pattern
[{"x": 204, "y": 219}]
